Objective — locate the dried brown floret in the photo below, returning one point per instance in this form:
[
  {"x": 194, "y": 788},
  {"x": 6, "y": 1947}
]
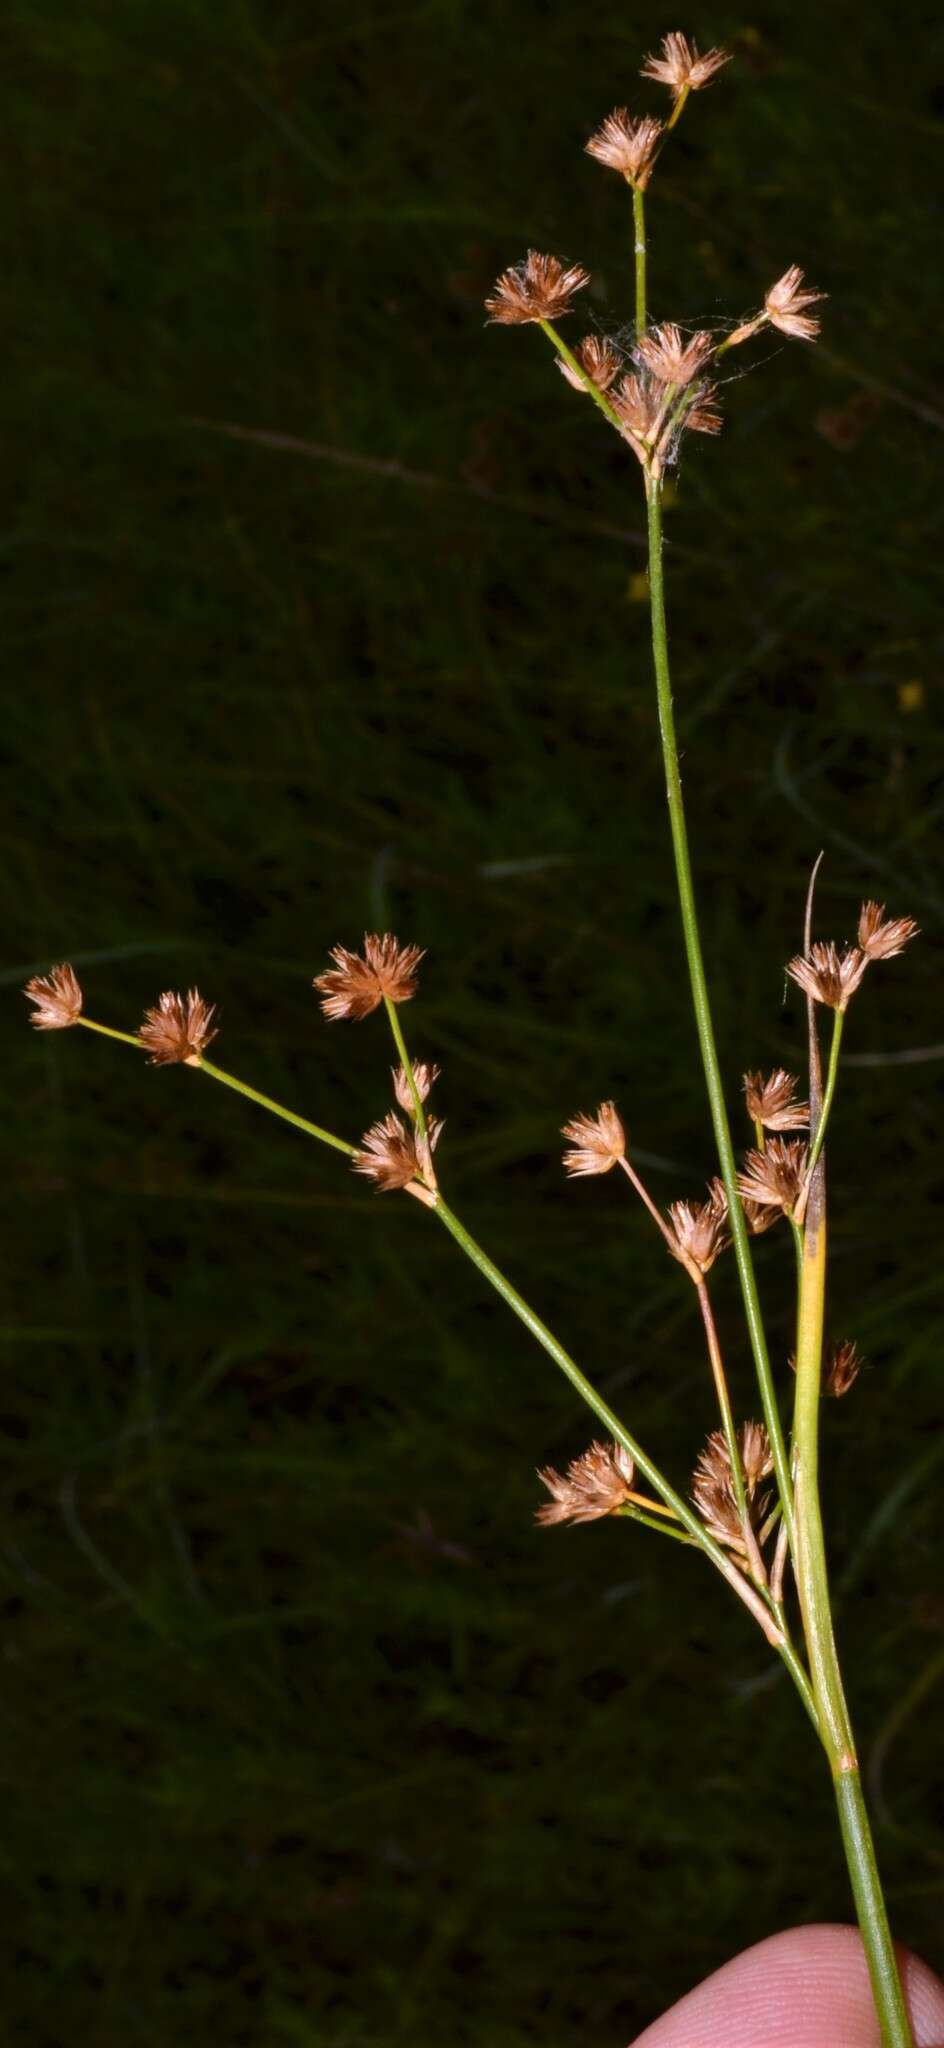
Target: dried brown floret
[
  {"x": 601, "y": 361},
  {"x": 681, "y": 68},
  {"x": 425, "y": 1074},
  {"x": 841, "y": 1367},
  {"x": 57, "y": 998},
  {"x": 829, "y": 976},
  {"x": 670, "y": 357},
  {"x": 758, "y": 1217},
  {"x": 881, "y": 938},
  {"x": 626, "y": 145},
  {"x": 785, "y": 302},
  {"x": 774, "y": 1178},
  {"x": 713, "y": 1486},
  {"x": 539, "y": 288},
  {"x": 597, "y": 1483},
  {"x": 638, "y": 402},
  {"x": 356, "y": 985},
  {"x": 392, "y": 1156},
  {"x": 178, "y": 1028},
  {"x": 771, "y": 1101},
  {"x": 599, "y": 1141},
  {"x": 700, "y": 1229},
  {"x": 702, "y": 416}
]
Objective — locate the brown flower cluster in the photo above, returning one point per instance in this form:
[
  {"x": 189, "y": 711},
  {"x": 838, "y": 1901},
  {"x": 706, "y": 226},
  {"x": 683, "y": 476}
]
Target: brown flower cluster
[
  {"x": 539, "y": 288},
  {"x": 359, "y": 983},
  {"x": 598, "y": 1141},
  {"x": 57, "y": 999},
  {"x": 840, "y": 1369},
  {"x": 628, "y": 146},
  {"x": 771, "y": 1101},
  {"x": 394, "y": 1157},
  {"x": 680, "y": 66},
  {"x": 832, "y": 977},
  {"x": 699, "y": 1230},
  {"x": 713, "y": 1486},
  {"x": 774, "y": 1178},
  {"x": 670, "y": 357},
  {"x": 597, "y": 1483},
  {"x": 425, "y": 1074},
  {"x": 600, "y": 361},
  {"x": 651, "y": 424},
  {"x": 178, "y": 1028}
]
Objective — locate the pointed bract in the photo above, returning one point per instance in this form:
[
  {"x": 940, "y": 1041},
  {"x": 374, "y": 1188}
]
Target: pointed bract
[
  {"x": 539, "y": 288},
  {"x": 597, "y": 1483},
  {"x": 178, "y": 1028},
  {"x": 57, "y": 998}
]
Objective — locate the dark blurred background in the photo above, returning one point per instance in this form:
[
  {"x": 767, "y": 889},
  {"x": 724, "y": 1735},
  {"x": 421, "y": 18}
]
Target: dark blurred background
[{"x": 324, "y": 608}]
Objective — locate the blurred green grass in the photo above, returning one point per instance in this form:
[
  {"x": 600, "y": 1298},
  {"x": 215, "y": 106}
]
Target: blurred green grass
[{"x": 309, "y": 1737}]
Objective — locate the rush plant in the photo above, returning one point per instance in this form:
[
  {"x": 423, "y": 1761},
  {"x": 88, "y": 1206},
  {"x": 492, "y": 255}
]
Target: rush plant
[{"x": 752, "y": 1511}]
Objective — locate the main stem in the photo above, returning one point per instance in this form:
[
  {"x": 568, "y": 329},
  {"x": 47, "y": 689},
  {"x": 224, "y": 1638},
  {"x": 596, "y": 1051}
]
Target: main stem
[
  {"x": 639, "y": 251},
  {"x": 813, "y": 1588},
  {"x": 706, "y": 1037}
]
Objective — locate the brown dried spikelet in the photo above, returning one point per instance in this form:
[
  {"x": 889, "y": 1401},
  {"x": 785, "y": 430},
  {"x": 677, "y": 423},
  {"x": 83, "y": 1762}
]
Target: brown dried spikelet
[
  {"x": 57, "y": 997},
  {"x": 597, "y": 1483},
  {"x": 392, "y": 1156},
  {"x": 680, "y": 66},
  {"x": 538, "y": 288},
  {"x": 881, "y": 938},
  {"x": 670, "y": 357},
  {"x": 771, "y": 1101},
  {"x": 637, "y": 400},
  {"x": 700, "y": 1229},
  {"x": 774, "y": 1178},
  {"x": 357, "y": 984},
  {"x": 626, "y": 145},
  {"x": 827, "y": 975},
  {"x": 601, "y": 361},
  {"x": 425, "y": 1074},
  {"x": 713, "y": 1487},
  {"x": 841, "y": 1367},
  {"x": 702, "y": 416},
  {"x": 785, "y": 303},
  {"x": 178, "y": 1028},
  {"x": 598, "y": 1141}
]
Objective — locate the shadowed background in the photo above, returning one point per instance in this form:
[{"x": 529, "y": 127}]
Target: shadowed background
[{"x": 308, "y": 1736}]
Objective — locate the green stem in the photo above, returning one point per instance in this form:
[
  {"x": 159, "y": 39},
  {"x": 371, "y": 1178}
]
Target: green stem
[
  {"x": 126, "y": 1037},
  {"x": 828, "y": 1093},
  {"x": 407, "y": 1065},
  {"x": 760, "y": 1609},
  {"x": 599, "y": 397},
  {"x": 265, "y": 1102},
  {"x": 813, "y": 1591},
  {"x": 639, "y": 250},
  {"x": 719, "y": 1115}
]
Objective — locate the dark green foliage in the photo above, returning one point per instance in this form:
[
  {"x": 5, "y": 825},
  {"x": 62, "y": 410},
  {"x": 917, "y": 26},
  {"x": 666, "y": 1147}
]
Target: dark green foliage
[{"x": 308, "y": 1736}]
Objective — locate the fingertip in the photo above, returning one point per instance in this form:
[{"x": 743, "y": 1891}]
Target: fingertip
[{"x": 806, "y": 1988}]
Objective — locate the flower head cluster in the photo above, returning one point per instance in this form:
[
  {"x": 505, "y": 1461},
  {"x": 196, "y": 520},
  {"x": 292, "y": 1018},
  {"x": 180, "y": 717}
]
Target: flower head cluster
[
  {"x": 597, "y": 1483},
  {"x": 359, "y": 983},
  {"x": 771, "y": 1101},
  {"x": 600, "y": 361},
  {"x": 628, "y": 146},
  {"x": 670, "y": 357},
  {"x": 881, "y": 938},
  {"x": 713, "y": 1486},
  {"x": 57, "y": 999},
  {"x": 680, "y": 66},
  {"x": 774, "y": 1178},
  {"x": 394, "y": 1157},
  {"x": 699, "y": 1230},
  {"x": 425, "y": 1074},
  {"x": 786, "y": 302},
  {"x": 178, "y": 1028},
  {"x": 539, "y": 288},
  {"x": 598, "y": 1141}
]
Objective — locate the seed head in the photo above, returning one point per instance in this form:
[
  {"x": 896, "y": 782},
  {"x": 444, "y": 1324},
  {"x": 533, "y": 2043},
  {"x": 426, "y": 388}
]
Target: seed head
[
  {"x": 357, "y": 984},
  {"x": 392, "y": 1157},
  {"x": 785, "y": 303},
  {"x": 773, "y": 1178},
  {"x": 828, "y": 976},
  {"x": 672, "y": 359},
  {"x": 626, "y": 145},
  {"x": 713, "y": 1487},
  {"x": 638, "y": 400},
  {"x": 57, "y": 998},
  {"x": 881, "y": 939},
  {"x": 840, "y": 1368},
  {"x": 599, "y": 1141},
  {"x": 424, "y": 1074},
  {"x": 700, "y": 1229},
  {"x": 596, "y": 1484},
  {"x": 601, "y": 361},
  {"x": 178, "y": 1028},
  {"x": 702, "y": 416},
  {"x": 539, "y": 288},
  {"x": 770, "y": 1101},
  {"x": 681, "y": 68}
]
